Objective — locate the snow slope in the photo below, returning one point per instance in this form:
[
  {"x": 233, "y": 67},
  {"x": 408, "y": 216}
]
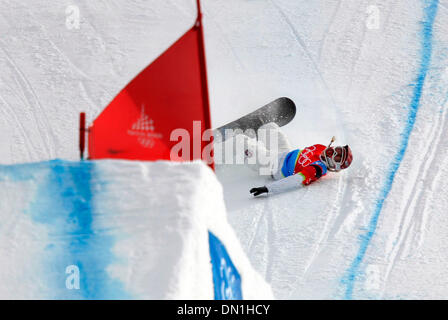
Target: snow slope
[
  {"x": 375, "y": 231},
  {"x": 131, "y": 230}
]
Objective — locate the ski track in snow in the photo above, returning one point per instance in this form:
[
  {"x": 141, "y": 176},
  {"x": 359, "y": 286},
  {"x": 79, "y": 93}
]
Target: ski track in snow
[
  {"x": 35, "y": 107},
  {"x": 304, "y": 48},
  {"x": 408, "y": 235},
  {"x": 322, "y": 41},
  {"x": 427, "y": 33}
]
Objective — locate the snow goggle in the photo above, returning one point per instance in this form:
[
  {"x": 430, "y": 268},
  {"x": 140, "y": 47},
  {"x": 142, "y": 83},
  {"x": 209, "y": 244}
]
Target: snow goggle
[{"x": 331, "y": 163}]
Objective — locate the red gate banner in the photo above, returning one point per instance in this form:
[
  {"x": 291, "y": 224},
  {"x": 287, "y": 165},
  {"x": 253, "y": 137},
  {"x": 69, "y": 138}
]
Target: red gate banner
[{"x": 171, "y": 93}]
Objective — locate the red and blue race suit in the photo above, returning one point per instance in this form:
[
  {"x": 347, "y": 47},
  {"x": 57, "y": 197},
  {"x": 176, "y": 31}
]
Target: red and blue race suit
[{"x": 298, "y": 168}]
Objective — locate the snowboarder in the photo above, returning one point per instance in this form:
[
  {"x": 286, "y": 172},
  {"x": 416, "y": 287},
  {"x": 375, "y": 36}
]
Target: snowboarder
[{"x": 295, "y": 168}]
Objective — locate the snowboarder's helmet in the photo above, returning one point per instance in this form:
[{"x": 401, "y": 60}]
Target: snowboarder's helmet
[{"x": 337, "y": 158}]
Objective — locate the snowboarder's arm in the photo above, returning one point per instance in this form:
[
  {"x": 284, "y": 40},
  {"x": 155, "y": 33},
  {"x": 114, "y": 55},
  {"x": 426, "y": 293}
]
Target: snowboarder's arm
[
  {"x": 308, "y": 175},
  {"x": 292, "y": 182}
]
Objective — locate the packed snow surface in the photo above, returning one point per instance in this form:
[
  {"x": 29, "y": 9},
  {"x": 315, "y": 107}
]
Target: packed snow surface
[
  {"x": 372, "y": 72},
  {"x": 131, "y": 230}
]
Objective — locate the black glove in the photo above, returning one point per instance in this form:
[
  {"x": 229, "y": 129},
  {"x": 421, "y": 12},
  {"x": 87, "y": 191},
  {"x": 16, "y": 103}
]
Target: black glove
[{"x": 258, "y": 191}]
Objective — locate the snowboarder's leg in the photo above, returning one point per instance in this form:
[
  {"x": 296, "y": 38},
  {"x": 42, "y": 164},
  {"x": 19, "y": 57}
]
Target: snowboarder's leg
[
  {"x": 278, "y": 145},
  {"x": 276, "y": 168},
  {"x": 266, "y": 155},
  {"x": 274, "y": 138},
  {"x": 255, "y": 153}
]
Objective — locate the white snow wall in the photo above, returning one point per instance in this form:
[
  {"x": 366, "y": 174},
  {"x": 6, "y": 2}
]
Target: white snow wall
[{"x": 119, "y": 230}]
